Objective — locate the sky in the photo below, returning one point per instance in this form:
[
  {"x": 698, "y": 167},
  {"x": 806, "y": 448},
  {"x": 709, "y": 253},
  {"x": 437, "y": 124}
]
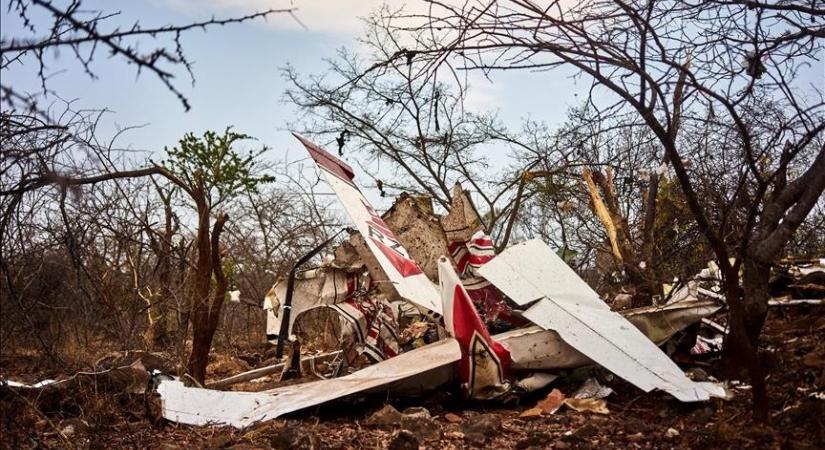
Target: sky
[
  {"x": 237, "y": 76},
  {"x": 237, "y": 79}
]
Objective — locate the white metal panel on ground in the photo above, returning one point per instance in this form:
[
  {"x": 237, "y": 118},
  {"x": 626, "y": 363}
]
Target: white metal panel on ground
[
  {"x": 531, "y": 270},
  {"x": 618, "y": 346},
  {"x": 537, "y": 348},
  {"x": 571, "y": 308},
  {"x": 197, "y": 406}
]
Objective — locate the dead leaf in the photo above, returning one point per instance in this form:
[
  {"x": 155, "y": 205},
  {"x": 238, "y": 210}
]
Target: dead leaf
[
  {"x": 593, "y": 405},
  {"x": 532, "y": 412},
  {"x": 552, "y": 402}
]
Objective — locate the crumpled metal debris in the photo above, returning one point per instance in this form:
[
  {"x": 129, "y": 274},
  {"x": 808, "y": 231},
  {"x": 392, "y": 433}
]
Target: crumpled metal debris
[
  {"x": 573, "y": 326},
  {"x": 592, "y": 389},
  {"x": 564, "y": 303}
]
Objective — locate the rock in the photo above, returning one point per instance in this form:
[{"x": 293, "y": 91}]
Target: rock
[
  {"x": 533, "y": 439},
  {"x": 672, "y": 433},
  {"x": 417, "y": 411},
  {"x": 561, "y": 445},
  {"x": 486, "y": 425},
  {"x": 403, "y": 440},
  {"x": 387, "y": 416},
  {"x": 452, "y": 418},
  {"x": 477, "y": 429},
  {"x": 423, "y": 428}
]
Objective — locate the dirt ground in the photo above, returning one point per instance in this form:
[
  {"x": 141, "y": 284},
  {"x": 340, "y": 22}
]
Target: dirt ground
[{"x": 793, "y": 348}]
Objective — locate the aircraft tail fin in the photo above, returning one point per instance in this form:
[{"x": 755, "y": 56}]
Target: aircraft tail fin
[{"x": 485, "y": 363}]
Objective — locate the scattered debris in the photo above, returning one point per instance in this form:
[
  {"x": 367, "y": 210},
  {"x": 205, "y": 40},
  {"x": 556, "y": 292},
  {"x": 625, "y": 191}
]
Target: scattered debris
[
  {"x": 449, "y": 334},
  {"x": 548, "y": 405},
  {"x": 592, "y": 389},
  {"x": 536, "y": 381},
  {"x": 563, "y": 302},
  {"x": 416, "y": 371},
  {"x": 255, "y": 374},
  {"x": 592, "y": 405}
]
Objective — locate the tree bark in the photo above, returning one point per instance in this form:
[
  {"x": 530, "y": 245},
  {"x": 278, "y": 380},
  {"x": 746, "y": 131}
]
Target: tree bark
[
  {"x": 206, "y": 312},
  {"x": 740, "y": 352},
  {"x": 755, "y": 279},
  {"x": 199, "y": 357}
]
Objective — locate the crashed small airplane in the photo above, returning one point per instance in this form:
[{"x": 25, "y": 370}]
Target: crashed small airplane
[{"x": 558, "y": 322}]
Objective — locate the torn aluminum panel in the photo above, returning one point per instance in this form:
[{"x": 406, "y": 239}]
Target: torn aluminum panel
[
  {"x": 316, "y": 287},
  {"x": 407, "y": 277},
  {"x": 534, "y": 348},
  {"x": 531, "y": 272},
  {"x": 422, "y": 369},
  {"x": 660, "y": 323}
]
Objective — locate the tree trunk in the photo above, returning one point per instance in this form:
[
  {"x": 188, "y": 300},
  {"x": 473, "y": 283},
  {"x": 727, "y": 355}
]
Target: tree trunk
[
  {"x": 755, "y": 279},
  {"x": 201, "y": 339},
  {"x": 741, "y": 351},
  {"x": 206, "y": 313}
]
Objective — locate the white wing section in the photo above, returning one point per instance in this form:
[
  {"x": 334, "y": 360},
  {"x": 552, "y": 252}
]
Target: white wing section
[
  {"x": 416, "y": 370},
  {"x": 567, "y": 305},
  {"x": 547, "y": 273},
  {"x": 406, "y": 276}
]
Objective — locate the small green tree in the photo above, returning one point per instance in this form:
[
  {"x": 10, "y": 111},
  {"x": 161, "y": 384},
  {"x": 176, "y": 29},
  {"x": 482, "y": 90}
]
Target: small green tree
[{"x": 211, "y": 172}]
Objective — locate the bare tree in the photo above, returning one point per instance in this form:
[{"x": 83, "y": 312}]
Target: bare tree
[
  {"x": 674, "y": 66},
  {"x": 408, "y": 133},
  {"x": 85, "y": 33}
]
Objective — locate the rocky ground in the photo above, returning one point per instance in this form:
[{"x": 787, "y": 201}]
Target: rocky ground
[{"x": 793, "y": 349}]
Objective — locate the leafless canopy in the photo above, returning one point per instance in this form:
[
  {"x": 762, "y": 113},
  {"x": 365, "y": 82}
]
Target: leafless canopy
[{"x": 86, "y": 33}]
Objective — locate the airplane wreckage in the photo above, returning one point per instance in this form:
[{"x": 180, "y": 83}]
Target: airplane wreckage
[{"x": 495, "y": 323}]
